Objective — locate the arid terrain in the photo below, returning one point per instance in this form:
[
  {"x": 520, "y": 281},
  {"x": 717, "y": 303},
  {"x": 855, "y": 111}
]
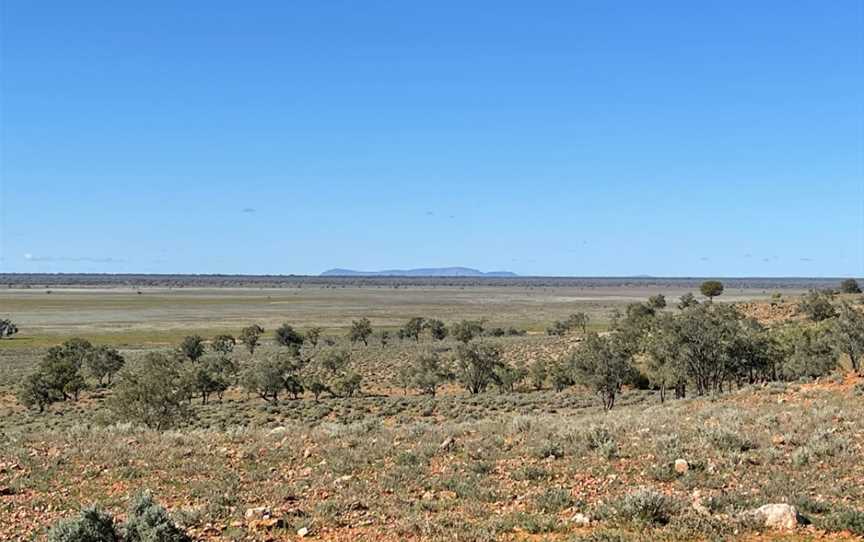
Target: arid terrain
[{"x": 388, "y": 462}]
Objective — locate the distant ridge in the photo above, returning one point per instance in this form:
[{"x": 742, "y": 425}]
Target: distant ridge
[{"x": 423, "y": 272}]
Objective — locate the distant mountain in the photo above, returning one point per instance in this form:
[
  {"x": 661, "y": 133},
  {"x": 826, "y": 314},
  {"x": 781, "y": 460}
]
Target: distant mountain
[{"x": 424, "y": 272}]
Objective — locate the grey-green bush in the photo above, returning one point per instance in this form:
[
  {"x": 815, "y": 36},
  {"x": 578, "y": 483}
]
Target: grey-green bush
[
  {"x": 92, "y": 525},
  {"x": 150, "y": 522}
]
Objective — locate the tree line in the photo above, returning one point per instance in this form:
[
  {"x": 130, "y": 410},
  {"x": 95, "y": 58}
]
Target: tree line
[{"x": 701, "y": 348}]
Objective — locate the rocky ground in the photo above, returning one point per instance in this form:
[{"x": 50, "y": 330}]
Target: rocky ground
[{"x": 698, "y": 469}]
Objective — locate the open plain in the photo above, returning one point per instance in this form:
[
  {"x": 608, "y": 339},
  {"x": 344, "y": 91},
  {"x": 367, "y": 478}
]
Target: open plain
[{"x": 530, "y": 460}]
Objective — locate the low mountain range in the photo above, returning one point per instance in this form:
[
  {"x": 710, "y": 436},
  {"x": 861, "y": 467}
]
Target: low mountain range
[{"x": 422, "y": 272}]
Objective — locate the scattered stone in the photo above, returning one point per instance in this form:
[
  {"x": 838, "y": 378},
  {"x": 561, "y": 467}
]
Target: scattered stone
[
  {"x": 447, "y": 444},
  {"x": 259, "y": 512},
  {"x": 266, "y": 524},
  {"x": 302, "y": 531},
  {"x": 447, "y": 495},
  {"x": 778, "y": 440},
  {"x": 778, "y": 516},
  {"x": 580, "y": 520},
  {"x": 428, "y": 496},
  {"x": 681, "y": 466},
  {"x": 280, "y": 430},
  {"x": 697, "y": 505},
  {"x": 306, "y": 453}
]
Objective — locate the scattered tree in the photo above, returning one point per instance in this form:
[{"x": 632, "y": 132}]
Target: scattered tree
[
  {"x": 603, "y": 365},
  {"x": 687, "y": 300},
  {"x": 151, "y": 393},
  {"x": 477, "y": 366},
  {"x": 37, "y": 391},
  {"x": 346, "y": 384},
  {"x": 271, "y": 376},
  {"x": 578, "y": 320},
  {"x": 508, "y": 376},
  {"x": 223, "y": 345},
  {"x": 334, "y": 361},
  {"x": 711, "y": 289},
  {"x": 412, "y": 329},
  {"x": 360, "y": 331},
  {"x": 466, "y": 330},
  {"x": 250, "y": 336},
  {"x": 286, "y": 336},
  {"x": 7, "y": 328},
  {"x": 313, "y": 336},
  {"x": 537, "y": 373},
  {"x": 103, "y": 363},
  {"x": 437, "y": 329},
  {"x": 657, "y": 302},
  {"x": 850, "y": 286},
  {"x": 817, "y": 306},
  {"x": 426, "y": 373},
  {"x": 192, "y": 347},
  {"x": 847, "y": 334}
]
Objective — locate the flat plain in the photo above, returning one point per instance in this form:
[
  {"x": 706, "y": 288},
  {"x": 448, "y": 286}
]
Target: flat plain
[
  {"x": 392, "y": 464},
  {"x": 159, "y": 315}
]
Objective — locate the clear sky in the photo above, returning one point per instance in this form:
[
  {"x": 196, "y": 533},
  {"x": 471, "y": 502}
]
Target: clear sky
[{"x": 709, "y": 138}]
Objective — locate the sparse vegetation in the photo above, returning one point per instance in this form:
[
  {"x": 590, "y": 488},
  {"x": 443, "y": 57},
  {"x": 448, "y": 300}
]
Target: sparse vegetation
[{"x": 476, "y": 416}]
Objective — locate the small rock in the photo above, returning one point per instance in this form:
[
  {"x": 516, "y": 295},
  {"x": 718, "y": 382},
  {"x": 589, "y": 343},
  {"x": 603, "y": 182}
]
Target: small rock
[
  {"x": 259, "y": 512},
  {"x": 302, "y": 531},
  {"x": 447, "y": 444},
  {"x": 306, "y": 453},
  {"x": 580, "y": 520},
  {"x": 681, "y": 466},
  {"x": 280, "y": 430},
  {"x": 778, "y": 516},
  {"x": 428, "y": 496},
  {"x": 266, "y": 524},
  {"x": 447, "y": 495},
  {"x": 778, "y": 440},
  {"x": 697, "y": 505}
]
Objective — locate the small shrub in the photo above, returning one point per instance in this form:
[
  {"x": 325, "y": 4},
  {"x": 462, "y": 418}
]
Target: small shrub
[
  {"x": 821, "y": 445},
  {"x": 149, "y": 522},
  {"x": 668, "y": 447},
  {"x": 480, "y": 467},
  {"x": 812, "y": 506},
  {"x": 529, "y": 523},
  {"x": 530, "y": 473},
  {"x": 845, "y": 520},
  {"x": 600, "y": 440},
  {"x": 728, "y": 440},
  {"x": 92, "y": 525},
  {"x": 549, "y": 448},
  {"x": 645, "y": 506},
  {"x": 553, "y": 500}
]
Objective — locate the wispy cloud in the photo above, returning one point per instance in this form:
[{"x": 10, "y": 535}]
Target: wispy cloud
[
  {"x": 88, "y": 259},
  {"x": 248, "y": 210},
  {"x": 806, "y": 259},
  {"x": 430, "y": 213},
  {"x": 705, "y": 259}
]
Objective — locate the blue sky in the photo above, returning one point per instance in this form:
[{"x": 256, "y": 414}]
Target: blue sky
[{"x": 552, "y": 138}]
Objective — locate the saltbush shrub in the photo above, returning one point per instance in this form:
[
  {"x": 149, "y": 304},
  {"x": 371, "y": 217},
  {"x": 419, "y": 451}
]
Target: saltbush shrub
[
  {"x": 92, "y": 525},
  {"x": 645, "y": 506},
  {"x": 150, "y": 522}
]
